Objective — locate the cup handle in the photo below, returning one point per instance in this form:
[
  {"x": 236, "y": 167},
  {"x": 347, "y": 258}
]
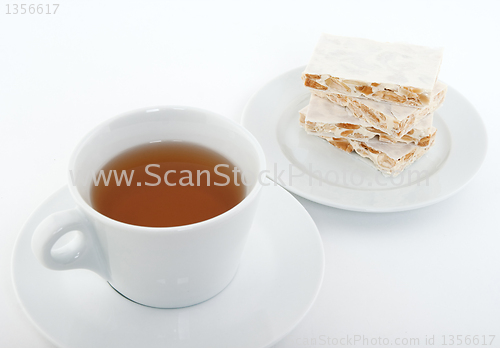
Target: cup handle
[{"x": 83, "y": 251}]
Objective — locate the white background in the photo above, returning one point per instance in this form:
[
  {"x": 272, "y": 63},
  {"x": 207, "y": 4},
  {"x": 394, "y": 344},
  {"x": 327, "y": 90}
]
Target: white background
[{"x": 432, "y": 271}]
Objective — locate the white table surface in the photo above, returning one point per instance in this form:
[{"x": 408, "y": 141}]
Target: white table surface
[{"x": 431, "y": 271}]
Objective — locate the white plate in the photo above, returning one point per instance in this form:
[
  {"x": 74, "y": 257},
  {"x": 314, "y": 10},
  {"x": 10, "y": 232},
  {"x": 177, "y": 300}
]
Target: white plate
[
  {"x": 314, "y": 169},
  {"x": 277, "y": 282}
]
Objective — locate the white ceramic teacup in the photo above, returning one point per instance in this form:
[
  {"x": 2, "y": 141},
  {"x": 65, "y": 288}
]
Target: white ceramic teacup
[{"x": 160, "y": 267}]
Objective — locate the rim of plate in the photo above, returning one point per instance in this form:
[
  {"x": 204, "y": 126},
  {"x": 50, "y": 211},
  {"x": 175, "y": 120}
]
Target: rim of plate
[
  {"x": 458, "y": 169},
  {"x": 20, "y": 249}
]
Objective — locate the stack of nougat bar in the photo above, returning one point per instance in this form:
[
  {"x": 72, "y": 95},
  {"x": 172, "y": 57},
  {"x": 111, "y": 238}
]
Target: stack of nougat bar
[{"x": 374, "y": 98}]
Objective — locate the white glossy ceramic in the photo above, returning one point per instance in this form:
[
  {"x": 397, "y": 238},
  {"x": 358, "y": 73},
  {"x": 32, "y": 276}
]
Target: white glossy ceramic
[
  {"x": 312, "y": 168},
  {"x": 158, "y": 267},
  {"x": 276, "y": 284}
]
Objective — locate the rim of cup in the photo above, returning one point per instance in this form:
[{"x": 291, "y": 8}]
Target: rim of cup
[{"x": 82, "y": 203}]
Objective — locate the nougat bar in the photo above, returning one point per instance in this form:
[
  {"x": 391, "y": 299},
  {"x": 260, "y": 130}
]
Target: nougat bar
[
  {"x": 398, "y": 73},
  {"x": 390, "y": 159},
  {"x": 395, "y": 120},
  {"x": 324, "y": 118}
]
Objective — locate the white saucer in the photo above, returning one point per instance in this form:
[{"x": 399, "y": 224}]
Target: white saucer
[
  {"x": 277, "y": 282},
  {"x": 272, "y": 116}
]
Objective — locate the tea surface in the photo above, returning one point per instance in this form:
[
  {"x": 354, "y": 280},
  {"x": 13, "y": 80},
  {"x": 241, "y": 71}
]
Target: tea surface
[{"x": 164, "y": 184}]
